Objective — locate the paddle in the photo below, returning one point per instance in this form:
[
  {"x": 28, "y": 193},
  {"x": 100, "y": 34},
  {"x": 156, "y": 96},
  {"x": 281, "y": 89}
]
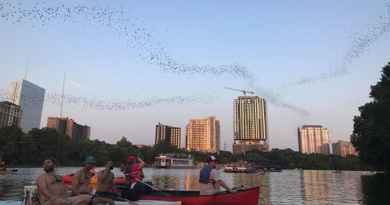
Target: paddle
[
  {"x": 148, "y": 185},
  {"x": 154, "y": 188},
  {"x": 164, "y": 193}
]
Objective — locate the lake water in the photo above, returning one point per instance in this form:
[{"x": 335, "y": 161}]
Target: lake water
[{"x": 286, "y": 187}]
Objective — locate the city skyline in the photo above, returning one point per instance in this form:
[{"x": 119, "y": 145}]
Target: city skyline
[{"x": 261, "y": 40}]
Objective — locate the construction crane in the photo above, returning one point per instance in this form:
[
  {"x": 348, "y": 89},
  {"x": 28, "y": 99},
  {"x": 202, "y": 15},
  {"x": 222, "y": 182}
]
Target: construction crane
[{"x": 240, "y": 90}]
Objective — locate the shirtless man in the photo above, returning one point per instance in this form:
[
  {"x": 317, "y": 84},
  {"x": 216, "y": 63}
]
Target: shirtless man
[
  {"x": 52, "y": 191},
  {"x": 81, "y": 179}
]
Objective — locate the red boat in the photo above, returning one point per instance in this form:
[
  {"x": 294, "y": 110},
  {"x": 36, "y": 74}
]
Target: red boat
[
  {"x": 67, "y": 179},
  {"x": 241, "y": 197}
]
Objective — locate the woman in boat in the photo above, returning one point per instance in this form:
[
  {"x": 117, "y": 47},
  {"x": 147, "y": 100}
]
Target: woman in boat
[
  {"x": 134, "y": 176},
  {"x": 208, "y": 181}
]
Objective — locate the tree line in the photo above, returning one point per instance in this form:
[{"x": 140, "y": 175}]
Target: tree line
[{"x": 20, "y": 149}]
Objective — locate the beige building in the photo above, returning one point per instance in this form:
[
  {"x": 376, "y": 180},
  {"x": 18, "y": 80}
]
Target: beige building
[
  {"x": 69, "y": 127},
  {"x": 343, "y": 149},
  {"x": 203, "y": 135},
  {"x": 313, "y": 139},
  {"x": 10, "y": 114},
  {"x": 250, "y": 124},
  {"x": 168, "y": 134}
]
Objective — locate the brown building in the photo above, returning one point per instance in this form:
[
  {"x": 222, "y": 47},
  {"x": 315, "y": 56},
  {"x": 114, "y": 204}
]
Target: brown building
[
  {"x": 69, "y": 127},
  {"x": 250, "y": 124},
  {"x": 168, "y": 134},
  {"x": 10, "y": 114},
  {"x": 343, "y": 149},
  {"x": 313, "y": 139},
  {"x": 203, "y": 135}
]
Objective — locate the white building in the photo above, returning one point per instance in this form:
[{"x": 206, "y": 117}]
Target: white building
[{"x": 30, "y": 98}]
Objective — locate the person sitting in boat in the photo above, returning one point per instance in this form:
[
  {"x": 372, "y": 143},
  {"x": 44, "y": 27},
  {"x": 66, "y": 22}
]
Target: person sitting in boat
[
  {"x": 52, "y": 191},
  {"x": 82, "y": 178},
  {"x": 3, "y": 167},
  {"x": 209, "y": 183},
  {"x": 134, "y": 176},
  {"x": 105, "y": 185}
]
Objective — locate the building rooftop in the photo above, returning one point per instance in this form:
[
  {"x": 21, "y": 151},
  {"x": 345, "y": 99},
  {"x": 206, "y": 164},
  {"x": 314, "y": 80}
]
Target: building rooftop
[{"x": 307, "y": 126}]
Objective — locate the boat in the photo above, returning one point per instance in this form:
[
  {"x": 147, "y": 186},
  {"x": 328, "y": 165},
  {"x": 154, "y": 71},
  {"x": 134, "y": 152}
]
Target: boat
[
  {"x": 30, "y": 198},
  {"x": 248, "y": 196},
  {"x": 67, "y": 179},
  {"x": 174, "y": 161},
  {"x": 239, "y": 169}
]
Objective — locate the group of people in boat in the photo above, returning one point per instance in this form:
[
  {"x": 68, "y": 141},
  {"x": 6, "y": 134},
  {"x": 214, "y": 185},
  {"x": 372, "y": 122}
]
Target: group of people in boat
[{"x": 52, "y": 191}]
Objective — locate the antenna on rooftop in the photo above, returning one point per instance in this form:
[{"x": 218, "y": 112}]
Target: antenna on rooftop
[
  {"x": 62, "y": 96},
  {"x": 26, "y": 69}
]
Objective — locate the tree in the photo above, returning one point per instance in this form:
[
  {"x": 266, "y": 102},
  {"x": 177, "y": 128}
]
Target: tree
[{"x": 371, "y": 134}]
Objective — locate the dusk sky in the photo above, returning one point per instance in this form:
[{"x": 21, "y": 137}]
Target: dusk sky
[{"x": 278, "y": 42}]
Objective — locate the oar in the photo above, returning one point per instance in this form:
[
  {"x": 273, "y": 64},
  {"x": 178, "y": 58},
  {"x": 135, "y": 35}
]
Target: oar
[
  {"x": 148, "y": 185},
  {"x": 154, "y": 188}
]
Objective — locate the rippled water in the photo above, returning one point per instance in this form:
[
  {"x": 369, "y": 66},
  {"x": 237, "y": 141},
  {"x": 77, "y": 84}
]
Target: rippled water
[{"x": 286, "y": 187}]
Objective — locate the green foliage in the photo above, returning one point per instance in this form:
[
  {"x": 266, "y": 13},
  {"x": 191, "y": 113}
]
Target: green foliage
[
  {"x": 371, "y": 134},
  {"x": 32, "y": 148}
]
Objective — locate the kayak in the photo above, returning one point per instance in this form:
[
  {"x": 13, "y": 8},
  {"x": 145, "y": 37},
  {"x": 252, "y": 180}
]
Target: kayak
[{"x": 241, "y": 197}]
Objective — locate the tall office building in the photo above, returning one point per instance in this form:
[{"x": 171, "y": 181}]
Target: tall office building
[
  {"x": 203, "y": 135},
  {"x": 343, "y": 149},
  {"x": 10, "y": 114},
  {"x": 313, "y": 139},
  {"x": 30, "y": 98},
  {"x": 168, "y": 134},
  {"x": 69, "y": 127},
  {"x": 250, "y": 124}
]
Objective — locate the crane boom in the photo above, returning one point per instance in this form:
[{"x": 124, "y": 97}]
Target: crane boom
[{"x": 241, "y": 90}]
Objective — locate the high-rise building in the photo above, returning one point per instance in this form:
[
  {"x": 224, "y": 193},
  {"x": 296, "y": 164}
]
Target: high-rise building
[
  {"x": 343, "y": 149},
  {"x": 250, "y": 124},
  {"x": 10, "y": 114},
  {"x": 168, "y": 134},
  {"x": 203, "y": 135},
  {"x": 69, "y": 127},
  {"x": 30, "y": 98},
  {"x": 313, "y": 139}
]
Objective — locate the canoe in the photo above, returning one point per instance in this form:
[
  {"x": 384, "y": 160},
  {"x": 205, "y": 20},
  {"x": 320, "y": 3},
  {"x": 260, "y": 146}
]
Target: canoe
[
  {"x": 241, "y": 197},
  {"x": 30, "y": 194},
  {"x": 67, "y": 179}
]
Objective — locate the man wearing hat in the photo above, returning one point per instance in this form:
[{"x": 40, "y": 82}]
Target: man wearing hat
[
  {"x": 81, "y": 179},
  {"x": 208, "y": 181}
]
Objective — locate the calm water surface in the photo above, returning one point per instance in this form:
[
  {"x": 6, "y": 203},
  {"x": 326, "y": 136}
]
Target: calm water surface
[{"x": 286, "y": 187}]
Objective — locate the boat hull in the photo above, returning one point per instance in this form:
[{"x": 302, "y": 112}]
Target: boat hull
[{"x": 242, "y": 197}]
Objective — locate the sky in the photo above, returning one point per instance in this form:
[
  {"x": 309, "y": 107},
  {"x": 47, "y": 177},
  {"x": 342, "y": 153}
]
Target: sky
[{"x": 337, "y": 47}]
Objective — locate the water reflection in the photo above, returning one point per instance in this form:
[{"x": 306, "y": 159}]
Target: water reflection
[
  {"x": 287, "y": 187},
  {"x": 315, "y": 186},
  {"x": 331, "y": 187},
  {"x": 166, "y": 182},
  {"x": 191, "y": 182}
]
